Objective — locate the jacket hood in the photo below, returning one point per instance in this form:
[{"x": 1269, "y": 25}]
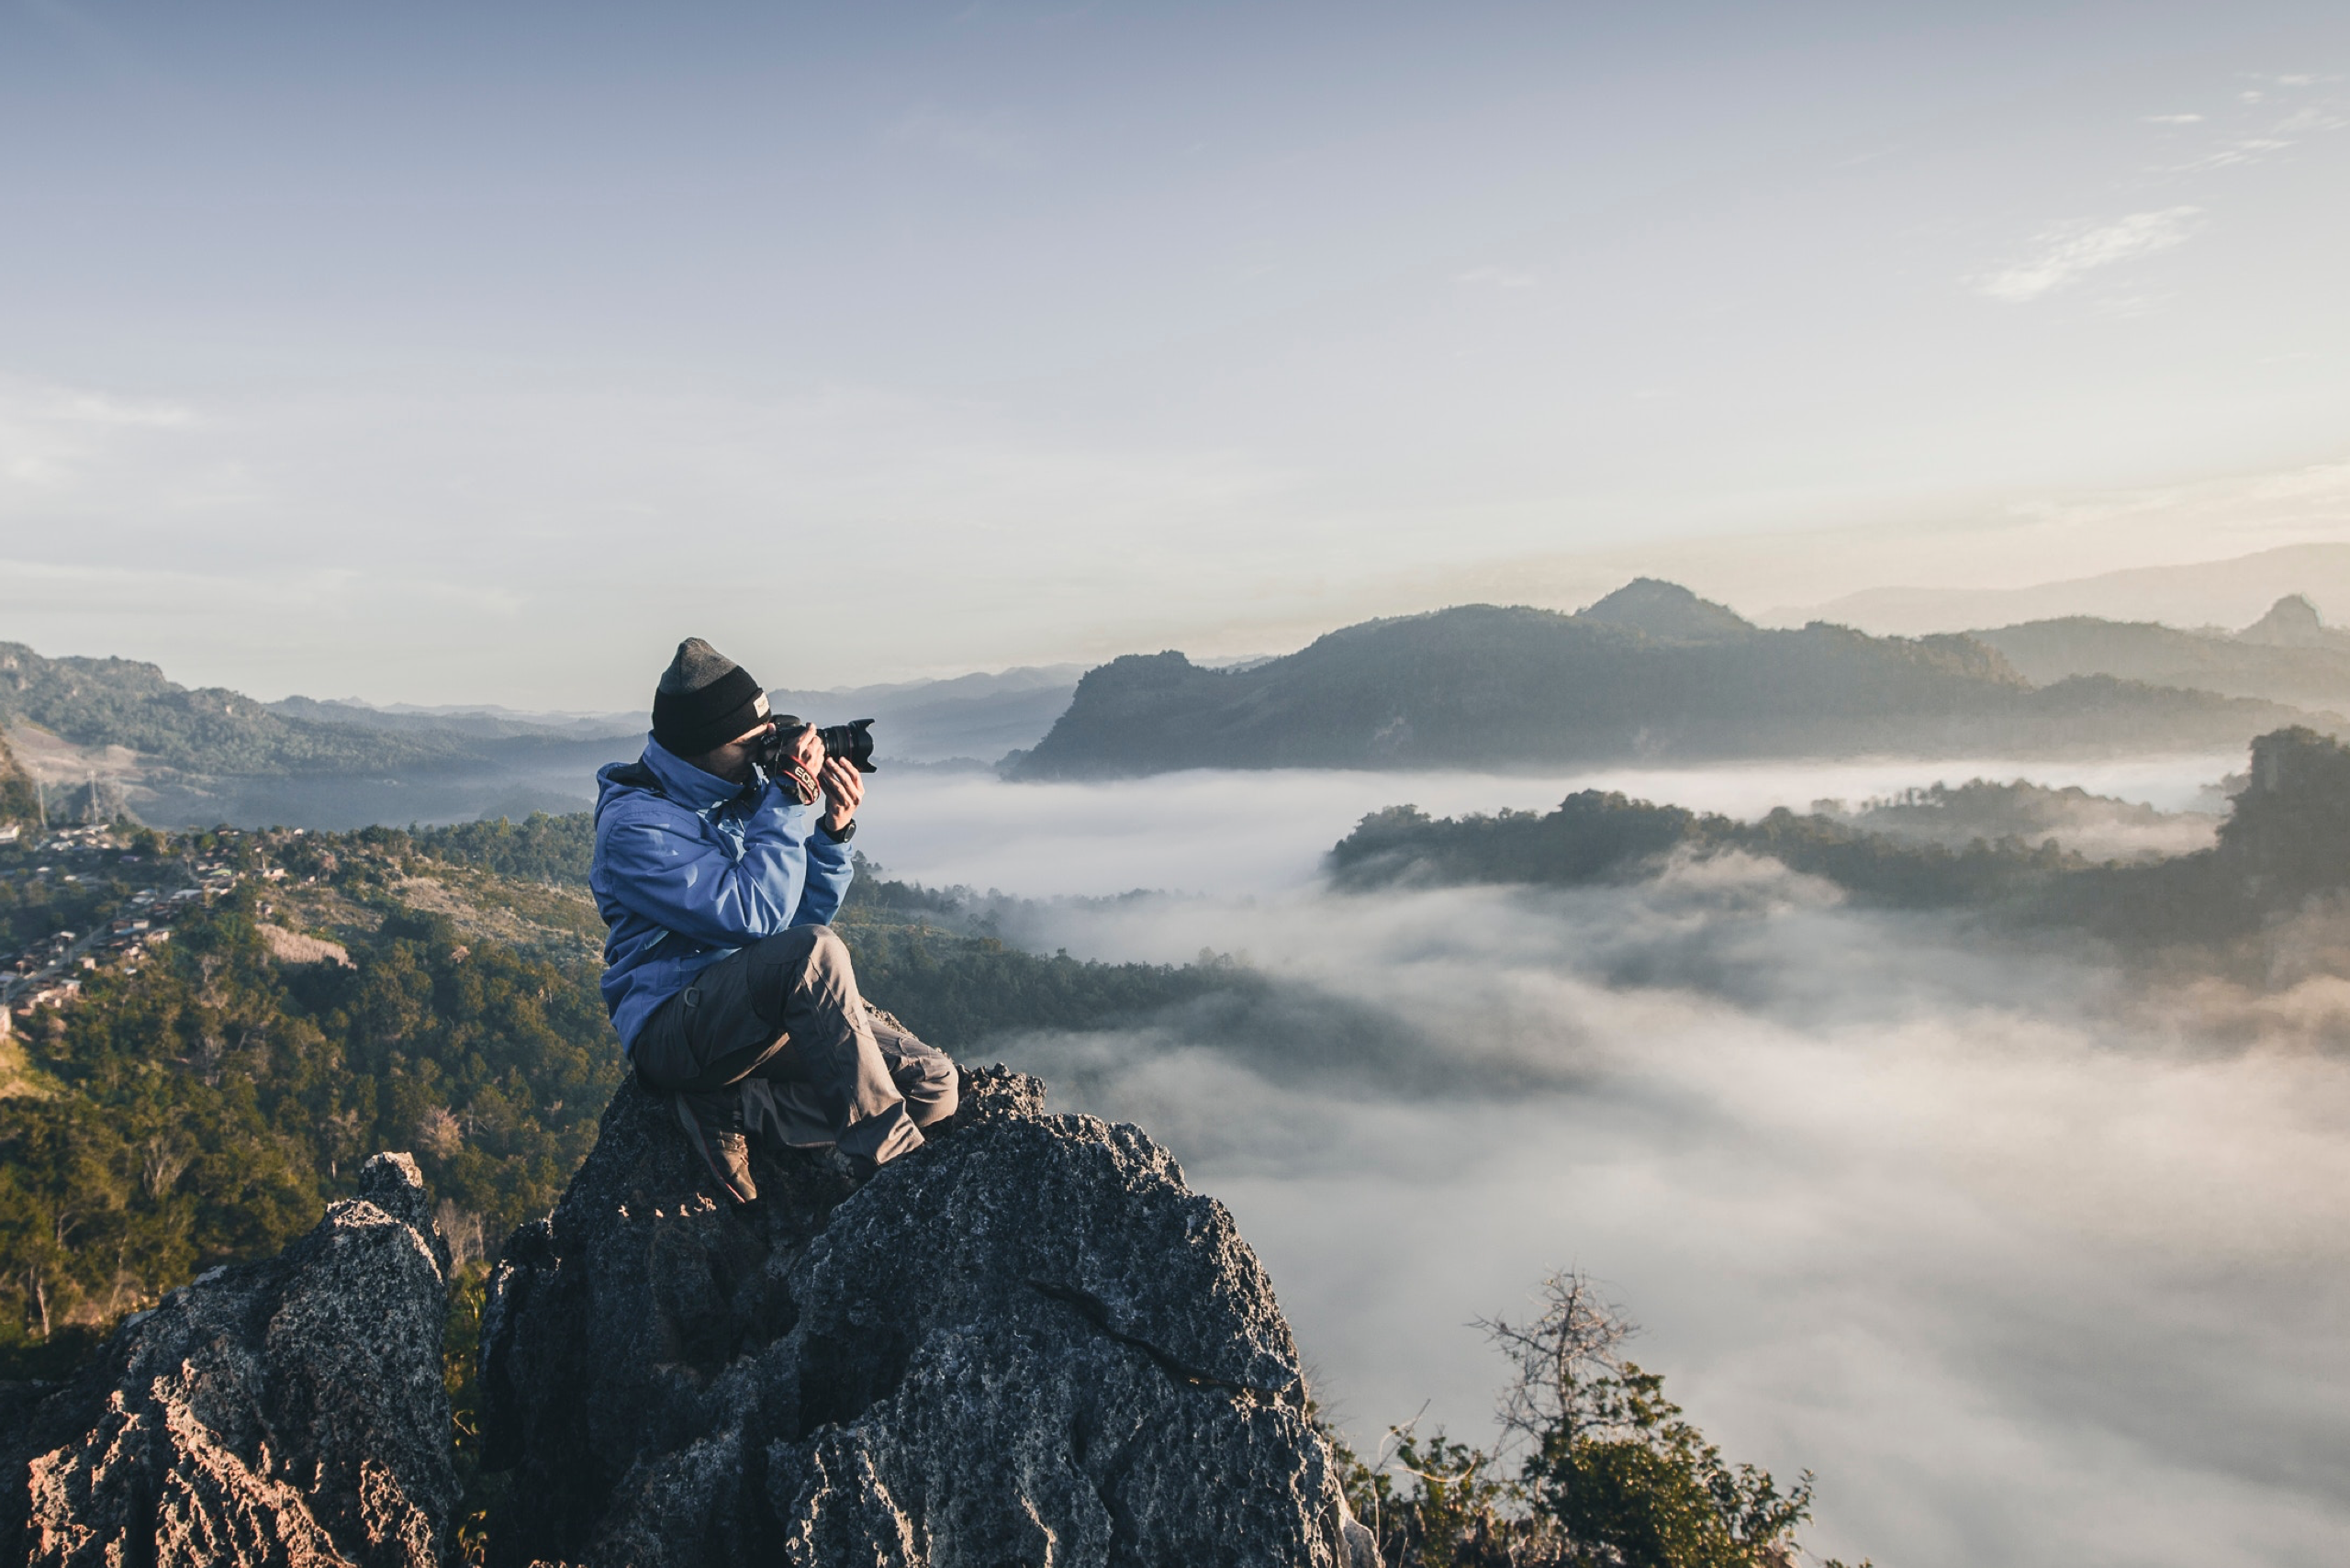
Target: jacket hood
[{"x": 679, "y": 780}]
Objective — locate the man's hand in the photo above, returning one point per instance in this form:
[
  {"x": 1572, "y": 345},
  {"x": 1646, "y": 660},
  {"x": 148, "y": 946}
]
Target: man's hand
[
  {"x": 808, "y": 750},
  {"x": 843, "y": 790}
]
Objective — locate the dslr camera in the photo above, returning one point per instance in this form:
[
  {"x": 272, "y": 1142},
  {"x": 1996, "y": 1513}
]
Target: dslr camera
[{"x": 852, "y": 741}]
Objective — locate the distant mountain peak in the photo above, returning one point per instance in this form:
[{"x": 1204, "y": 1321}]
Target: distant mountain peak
[
  {"x": 1666, "y": 610},
  {"x": 2292, "y": 623}
]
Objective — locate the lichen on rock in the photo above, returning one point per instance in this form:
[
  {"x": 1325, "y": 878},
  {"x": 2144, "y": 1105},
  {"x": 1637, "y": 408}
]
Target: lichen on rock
[
  {"x": 289, "y": 1411},
  {"x": 1026, "y": 1342}
]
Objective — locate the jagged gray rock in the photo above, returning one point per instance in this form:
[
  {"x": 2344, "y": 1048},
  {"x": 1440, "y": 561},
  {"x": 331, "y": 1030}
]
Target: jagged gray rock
[
  {"x": 1027, "y": 1342},
  {"x": 285, "y": 1412}
]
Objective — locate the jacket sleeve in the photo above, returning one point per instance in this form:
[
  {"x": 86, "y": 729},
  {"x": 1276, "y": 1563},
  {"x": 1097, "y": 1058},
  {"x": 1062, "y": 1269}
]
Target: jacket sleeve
[
  {"x": 830, "y": 867},
  {"x": 666, "y": 871}
]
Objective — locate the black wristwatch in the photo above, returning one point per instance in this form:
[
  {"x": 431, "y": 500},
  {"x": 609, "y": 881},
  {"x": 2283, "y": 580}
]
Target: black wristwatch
[{"x": 841, "y": 834}]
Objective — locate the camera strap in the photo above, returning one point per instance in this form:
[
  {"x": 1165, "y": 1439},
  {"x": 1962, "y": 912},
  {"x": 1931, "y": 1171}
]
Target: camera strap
[{"x": 787, "y": 775}]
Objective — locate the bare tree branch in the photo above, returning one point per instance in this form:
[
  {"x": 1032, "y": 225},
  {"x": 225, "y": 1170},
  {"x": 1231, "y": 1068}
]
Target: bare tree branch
[{"x": 1574, "y": 1340}]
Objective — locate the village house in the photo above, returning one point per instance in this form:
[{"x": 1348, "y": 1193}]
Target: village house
[{"x": 61, "y": 994}]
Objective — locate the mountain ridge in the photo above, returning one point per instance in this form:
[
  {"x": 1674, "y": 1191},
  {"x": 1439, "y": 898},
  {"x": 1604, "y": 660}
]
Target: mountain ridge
[
  {"x": 121, "y": 732},
  {"x": 2201, "y": 593},
  {"x": 2288, "y": 655},
  {"x": 1496, "y": 686}
]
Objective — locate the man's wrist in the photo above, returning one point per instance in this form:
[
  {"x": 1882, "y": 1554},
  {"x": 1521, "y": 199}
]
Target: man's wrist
[{"x": 840, "y": 832}]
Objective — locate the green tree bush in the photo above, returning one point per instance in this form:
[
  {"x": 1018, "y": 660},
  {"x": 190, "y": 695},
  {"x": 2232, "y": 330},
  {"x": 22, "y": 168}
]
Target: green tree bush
[
  {"x": 1612, "y": 1473},
  {"x": 17, "y": 801},
  {"x": 539, "y": 848},
  {"x": 212, "y": 1103},
  {"x": 2286, "y": 843}
]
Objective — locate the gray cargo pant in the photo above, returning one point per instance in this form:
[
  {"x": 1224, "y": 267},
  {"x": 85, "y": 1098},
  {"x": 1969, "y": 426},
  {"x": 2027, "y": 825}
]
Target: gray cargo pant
[{"x": 780, "y": 1022}]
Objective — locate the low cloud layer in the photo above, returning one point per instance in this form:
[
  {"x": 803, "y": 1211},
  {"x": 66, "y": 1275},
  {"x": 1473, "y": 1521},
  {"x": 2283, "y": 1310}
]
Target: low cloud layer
[
  {"x": 1216, "y": 831},
  {"x": 2030, "y": 1263}
]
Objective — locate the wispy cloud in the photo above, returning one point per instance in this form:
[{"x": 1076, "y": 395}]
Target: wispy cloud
[
  {"x": 2312, "y": 119},
  {"x": 2289, "y": 80},
  {"x": 992, "y": 141},
  {"x": 48, "y": 433},
  {"x": 2251, "y": 150},
  {"x": 101, "y": 409},
  {"x": 2258, "y": 133},
  {"x": 2070, "y": 252},
  {"x": 1497, "y": 277}
]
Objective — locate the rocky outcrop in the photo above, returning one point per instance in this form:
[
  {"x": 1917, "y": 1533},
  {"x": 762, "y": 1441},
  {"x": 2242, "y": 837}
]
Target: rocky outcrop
[
  {"x": 1027, "y": 1342},
  {"x": 2292, "y": 623},
  {"x": 283, "y": 1412}
]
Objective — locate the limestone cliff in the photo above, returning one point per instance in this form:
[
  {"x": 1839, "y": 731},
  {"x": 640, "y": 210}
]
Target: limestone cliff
[{"x": 1028, "y": 1342}]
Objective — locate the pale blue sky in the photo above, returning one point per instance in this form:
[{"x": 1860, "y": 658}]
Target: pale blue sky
[{"x": 433, "y": 355}]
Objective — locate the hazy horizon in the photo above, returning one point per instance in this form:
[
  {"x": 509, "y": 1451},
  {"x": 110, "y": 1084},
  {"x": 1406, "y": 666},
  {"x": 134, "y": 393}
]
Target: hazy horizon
[{"x": 2209, "y": 595}]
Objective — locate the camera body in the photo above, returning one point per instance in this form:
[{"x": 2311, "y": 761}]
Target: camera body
[{"x": 852, "y": 741}]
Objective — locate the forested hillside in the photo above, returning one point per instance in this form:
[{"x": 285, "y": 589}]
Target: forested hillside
[
  {"x": 2286, "y": 840},
  {"x": 1956, "y": 815},
  {"x": 181, "y": 756},
  {"x": 1601, "y": 836},
  {"x": 1651, "y": 672},
  {"x": 101, "y": 702},
  {"x": 336, "y": 994},
  {"x": 17, "y": 804}
]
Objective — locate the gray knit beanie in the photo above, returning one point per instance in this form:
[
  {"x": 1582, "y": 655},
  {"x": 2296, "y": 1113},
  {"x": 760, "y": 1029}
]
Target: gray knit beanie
[{"x": 704, "y": 700}]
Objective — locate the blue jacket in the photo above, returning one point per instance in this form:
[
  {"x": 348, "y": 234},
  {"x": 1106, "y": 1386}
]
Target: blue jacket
[{"x": 689, "y": 873}]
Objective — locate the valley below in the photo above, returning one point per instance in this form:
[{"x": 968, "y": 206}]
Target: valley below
[
  {"x": 1966, "y": 1126},
  {"x": 2029, "y": 1248}
]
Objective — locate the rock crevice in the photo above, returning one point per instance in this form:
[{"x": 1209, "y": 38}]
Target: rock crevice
[{"x": 1096, "y": 1311}]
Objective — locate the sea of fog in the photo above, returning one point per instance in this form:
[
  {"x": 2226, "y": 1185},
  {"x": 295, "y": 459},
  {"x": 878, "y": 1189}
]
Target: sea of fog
[
  {"x": 2031, "y": 1264},
  {"x": 1233, "y": 832}
]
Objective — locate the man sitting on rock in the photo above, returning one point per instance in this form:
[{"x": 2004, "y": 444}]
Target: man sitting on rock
[{"x": 729, "y": 988}]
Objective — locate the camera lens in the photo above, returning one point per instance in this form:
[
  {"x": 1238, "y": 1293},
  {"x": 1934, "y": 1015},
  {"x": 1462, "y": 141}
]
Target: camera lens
[{"x": 853, "y": 741}]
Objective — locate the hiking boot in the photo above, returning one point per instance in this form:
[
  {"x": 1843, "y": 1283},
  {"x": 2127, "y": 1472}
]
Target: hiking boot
[
  {"x": 717, "y": 1136},
  {"x": 853, "y": 1169}
]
